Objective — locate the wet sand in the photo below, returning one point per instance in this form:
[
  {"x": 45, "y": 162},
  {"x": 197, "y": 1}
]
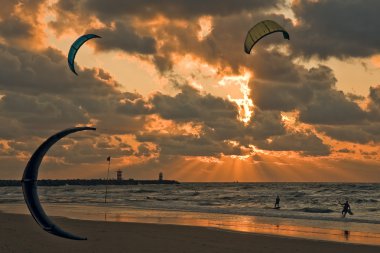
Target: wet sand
[{"x": 20, "y": 233}]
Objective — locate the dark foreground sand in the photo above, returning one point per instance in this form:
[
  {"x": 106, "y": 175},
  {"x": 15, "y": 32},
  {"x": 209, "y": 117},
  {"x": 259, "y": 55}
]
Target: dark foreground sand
[{"x": 20, "y": 233}]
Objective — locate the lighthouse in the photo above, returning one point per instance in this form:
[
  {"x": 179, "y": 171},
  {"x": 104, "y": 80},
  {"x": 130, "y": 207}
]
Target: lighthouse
[
  {"x": 119, "y": 175},
  {"x": 160, "y": 176}
]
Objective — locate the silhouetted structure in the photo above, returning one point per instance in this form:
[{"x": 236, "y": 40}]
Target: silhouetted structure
[
  {"x": 160, "y": 177},
  {"x": 61, "y": 182},
  {"x": 119, "y": 175}
]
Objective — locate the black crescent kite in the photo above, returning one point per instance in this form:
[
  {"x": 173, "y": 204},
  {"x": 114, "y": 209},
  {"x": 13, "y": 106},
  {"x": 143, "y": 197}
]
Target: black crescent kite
[
  {"x": 75, "y": 47},
  {"x": 29, "y": 185}
]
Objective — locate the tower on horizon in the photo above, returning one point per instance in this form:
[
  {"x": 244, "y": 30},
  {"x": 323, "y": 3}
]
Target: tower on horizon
[
  {"x": 160, "y": 176},
  {"x": 119, "y": 175}
]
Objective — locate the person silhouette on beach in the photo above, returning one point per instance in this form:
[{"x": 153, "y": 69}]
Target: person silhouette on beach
[
  {"x": 277, "y": 204},
  {"x": 346, "y": 208}
]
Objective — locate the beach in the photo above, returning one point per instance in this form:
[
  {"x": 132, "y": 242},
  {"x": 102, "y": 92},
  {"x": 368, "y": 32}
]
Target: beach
[
  {"x": 235, "y": 216},
  {"x": 195, "y": 218},
  {"x": 20, "y": 233}
]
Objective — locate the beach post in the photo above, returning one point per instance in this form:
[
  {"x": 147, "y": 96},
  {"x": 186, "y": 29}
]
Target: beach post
[{"x": 108, "y": 173}]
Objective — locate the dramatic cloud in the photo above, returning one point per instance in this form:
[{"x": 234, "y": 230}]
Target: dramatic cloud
[
  {"x": 336, "y": 28},
  {"x": 374, "y": 103},
  {"x": 124, "y": 38},
  {"x": 190, "y": 105},
  {"x": 332, "y": 108},
  {"x": 178, "y": 10},
  {"x": 20, "y": 23},
  {"x": 306, "y": 142},
  {"x": 360, "y": 133}
]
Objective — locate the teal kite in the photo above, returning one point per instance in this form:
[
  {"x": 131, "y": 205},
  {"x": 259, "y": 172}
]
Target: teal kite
[
  {"x": 75, "y": 47},
  {"x": 259, "y": 31}
]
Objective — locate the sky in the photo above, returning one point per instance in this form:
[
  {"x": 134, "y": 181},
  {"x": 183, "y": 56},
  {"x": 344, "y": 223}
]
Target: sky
[{"x": 170, "y": 89}]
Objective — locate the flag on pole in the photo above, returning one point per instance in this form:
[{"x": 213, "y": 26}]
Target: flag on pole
[{"x": 108, "y": 174}]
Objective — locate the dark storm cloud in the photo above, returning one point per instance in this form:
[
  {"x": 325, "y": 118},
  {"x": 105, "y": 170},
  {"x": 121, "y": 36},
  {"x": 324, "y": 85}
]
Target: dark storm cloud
[
  {"x": 368, "y": 154},
  {"x": 273, "y": 65},
  {"x": 124, "y": 38},
  {"x": 280, "y": 96},
  {"x": 33, "y": 112},
  {"x": 265, "y": 124},
  {"x": 135, "y": 107},
  {"x": 346, "y": 150},
  {"x": 10, "y": 128},
  {"x": 13, "y": 28},
  {"x": 30, "y": 99},
  {"x": 280, "y": 84},
  {"x": 31, "y": 72},
  {"x": 19, "y": 23},
  {"x": 336, "y": 28},
  {"x": 305, "y": 142},
  {"x": 313, "y": 94},
  {"x": 190, "y": 105},
  {"x": 189, "y": 145},
  {"x": 144, "y": 150},
  {"x": 163, "y": 63},
  {"x": 85, "y": 151},
  {"x": 332, "y": 107},
  {"x": 312, "y": 91},
  {"x": 374, "y": 103},
  {"x": 368, "y": 132},
  {"x": 181, "y": 9},
  {"x": 37, "y": 103},
  {"x": 355, "y": 97},
  {"x": 353, "y": 134},
  {"x": 217, "y": 116}
]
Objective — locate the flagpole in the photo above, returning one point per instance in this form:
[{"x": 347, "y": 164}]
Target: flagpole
[{"x": 108, "y": 173}]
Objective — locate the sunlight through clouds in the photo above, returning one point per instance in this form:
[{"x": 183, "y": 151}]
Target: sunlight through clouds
[{"x": 245, "y": 103}]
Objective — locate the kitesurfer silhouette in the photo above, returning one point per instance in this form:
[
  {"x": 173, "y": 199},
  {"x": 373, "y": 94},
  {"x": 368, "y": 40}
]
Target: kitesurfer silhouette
[
  {"x": 277, "y": 204},
  {"x": 346, "y": 208}
]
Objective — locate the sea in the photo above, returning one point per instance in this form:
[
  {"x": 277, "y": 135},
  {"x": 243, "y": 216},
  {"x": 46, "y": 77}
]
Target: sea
[{"x": 308, "y": 210}]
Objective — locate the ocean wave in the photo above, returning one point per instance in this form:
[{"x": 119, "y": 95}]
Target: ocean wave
[
  {"x": 164, "y": 199},
  {"x": 237, "y": 197},
  {"x": 298, "y": 194},
  {"x": 5, "y": 201},
  {"x": 365, "y": 201},
  {"x": 303, "y": 201},
  {"x": 207, "y": 203},
  {"x": 192, "y": 194},
  {"x": 316, "y": 210},
  {"x": 142, "y": 191}
]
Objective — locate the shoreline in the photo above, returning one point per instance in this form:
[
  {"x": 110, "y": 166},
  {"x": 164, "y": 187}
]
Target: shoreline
[
  {"x": 346, "y": 232},
  {"x": 19, "y": 233}
]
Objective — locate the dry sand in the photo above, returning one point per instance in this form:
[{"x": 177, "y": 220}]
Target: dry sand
[{"x": 20, "y": 233}]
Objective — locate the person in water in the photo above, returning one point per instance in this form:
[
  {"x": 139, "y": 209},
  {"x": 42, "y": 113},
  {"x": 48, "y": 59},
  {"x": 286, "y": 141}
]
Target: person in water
[
  {"x": 346, "y": 208},
  {"x": 277, "y": 204}
]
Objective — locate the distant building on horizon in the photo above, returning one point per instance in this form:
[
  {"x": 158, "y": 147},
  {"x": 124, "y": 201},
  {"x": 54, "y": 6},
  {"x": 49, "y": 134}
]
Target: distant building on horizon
[
  {"x": 160, "y": 177},
  {"x": 119, "y": 175}
]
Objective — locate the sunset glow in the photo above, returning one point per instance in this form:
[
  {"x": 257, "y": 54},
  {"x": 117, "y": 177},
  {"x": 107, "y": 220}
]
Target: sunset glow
[{"x": 171, "y": 89}]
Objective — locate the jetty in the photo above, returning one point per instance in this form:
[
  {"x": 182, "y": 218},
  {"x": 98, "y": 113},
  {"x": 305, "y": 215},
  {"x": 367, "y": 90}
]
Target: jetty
[{"x": 89, "y": 182}]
